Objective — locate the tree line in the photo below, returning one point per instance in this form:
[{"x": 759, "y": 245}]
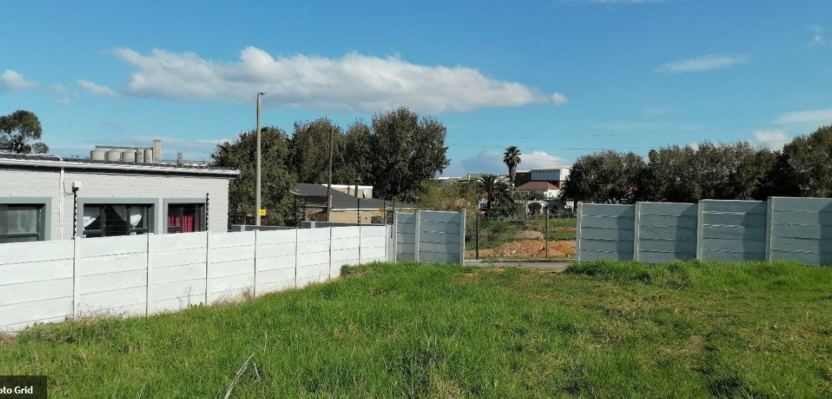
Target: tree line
[
  {"x": 741, "y": 171},
  {"x": 395, "y": 153}
]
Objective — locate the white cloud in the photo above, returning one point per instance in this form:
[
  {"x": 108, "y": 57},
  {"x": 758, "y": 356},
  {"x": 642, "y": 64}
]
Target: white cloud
[
  {"x": 773, "y": 139},
  {"x": 13, "y": 81},
  {"x": 353, "y": 82},
  {"x": 819, "y": 117},
  {"x": 559, "y": 99},
  {"x": 491, "y": 161},
  {"x": 655, "y": 111},
  {"x": 817, "y": 37},
  {"x": 706, "y": 63},
  {"x": 98, "y": 90},
  {"x": 62, "y": 95}
]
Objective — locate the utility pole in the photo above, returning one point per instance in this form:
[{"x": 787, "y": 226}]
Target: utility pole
[
  {"x": 257, "y": 205},
  {"x": 329, "y": 180}
]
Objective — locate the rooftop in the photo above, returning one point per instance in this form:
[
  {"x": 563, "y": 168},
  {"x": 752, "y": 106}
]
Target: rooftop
[
  {"x": 537, "y": 186},
  {"x": 53, "y": 161},
  {"x": 340, "y": 201}
]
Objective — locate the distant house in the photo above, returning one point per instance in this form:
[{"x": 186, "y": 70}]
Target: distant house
[
  {"x": 522, "y": 177},
  {"x": 555, "y": 175},
  {"x": 345, "y": 208},
  {"x": 545, "y": 189},
  {"x": 44, "y": 197}
]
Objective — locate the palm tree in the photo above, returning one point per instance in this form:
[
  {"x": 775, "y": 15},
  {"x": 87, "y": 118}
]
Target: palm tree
[
  {"x": 512, "y": 158},
  {"x": 495, "y": 190}
]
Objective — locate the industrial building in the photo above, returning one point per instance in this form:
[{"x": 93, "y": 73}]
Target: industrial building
[{"x": 117, "y": 191}]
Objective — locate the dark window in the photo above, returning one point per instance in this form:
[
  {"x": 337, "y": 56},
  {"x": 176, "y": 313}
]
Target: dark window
[
  {"x": 186, "y": 218},
  {"x": 117, "y": 220},
  {"x": 21, "y": 223}
]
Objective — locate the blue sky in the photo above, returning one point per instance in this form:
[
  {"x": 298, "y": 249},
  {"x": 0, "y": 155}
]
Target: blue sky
[{"x": 558, "y": 78}]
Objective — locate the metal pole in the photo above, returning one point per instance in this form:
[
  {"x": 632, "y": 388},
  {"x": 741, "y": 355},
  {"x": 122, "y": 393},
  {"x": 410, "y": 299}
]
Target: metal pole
[
  {"x": 358, "y": 209},
  {"x": 257, "y": 205},
  {"x": 329, "y": 180},
  {"x": 477, "y": 252}
]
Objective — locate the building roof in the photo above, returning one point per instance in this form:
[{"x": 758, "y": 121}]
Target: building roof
[
  {"x": 537, "y": 186},
  {"x": 340, "y": 201},
  {"x": 52, "y": 161}
]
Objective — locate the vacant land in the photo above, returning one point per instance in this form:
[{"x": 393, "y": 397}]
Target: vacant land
[
  {"x": 409, "y": 330},
  {"x": 517, "y": 239}
]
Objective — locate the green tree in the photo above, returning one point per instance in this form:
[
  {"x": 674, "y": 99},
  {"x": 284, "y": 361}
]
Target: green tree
[
  {"x": 356, "y": 154},
  {"x": 805, "y": 165},
  {"x": 309, "y": 156},
  {"x": 512, "y": 158},
  {"x": 406, "y": 150},
  {"x": 495, "y": 190},
  {"x": 709, "y": 171},
  {"x": 18, "y": 130},
  {"x": 277, "y": 181},
  {"x": 604, "y": 177}
]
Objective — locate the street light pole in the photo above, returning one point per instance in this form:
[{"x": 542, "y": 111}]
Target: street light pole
[{"x": 259, "y": 159}]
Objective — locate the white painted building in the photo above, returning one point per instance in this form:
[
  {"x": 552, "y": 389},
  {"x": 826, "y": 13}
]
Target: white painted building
[
  {"x": 554, "y": 175},
  {"x": 46, "y": 198}
]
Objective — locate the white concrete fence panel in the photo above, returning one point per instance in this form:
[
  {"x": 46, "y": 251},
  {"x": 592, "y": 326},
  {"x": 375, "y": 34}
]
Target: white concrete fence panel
[{"x": 54, "y": 280}]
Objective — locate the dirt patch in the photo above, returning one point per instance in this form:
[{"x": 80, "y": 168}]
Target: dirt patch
[
  {"x": 529, "y": 234},
  {"x": 529, "y": 249}
]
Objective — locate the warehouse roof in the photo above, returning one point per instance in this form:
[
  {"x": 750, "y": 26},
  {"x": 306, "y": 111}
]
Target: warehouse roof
[
  {"x": 53, "y": 161},
  {"x": 316, "y": 195}
]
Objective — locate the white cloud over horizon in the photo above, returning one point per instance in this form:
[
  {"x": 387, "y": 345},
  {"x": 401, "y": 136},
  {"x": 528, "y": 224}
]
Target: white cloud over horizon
[
  {"x": 817, "y": 40},
  {"x": 353, "y": 82},
  {"x": 818, "y": 116},
  {"x": 771, "y": 139},
  {"x": 491, "y": 161},
  {"x": 98, "y": 90},
  {"x": 14, "y": 81},
  {"x": 701, "y": 64}
]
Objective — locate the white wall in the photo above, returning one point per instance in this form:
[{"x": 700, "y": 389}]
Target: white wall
[
  {"x": 134, "y": 275},
  {"x": 556, "y": 174},
  {"x": 17, "y": 183}
]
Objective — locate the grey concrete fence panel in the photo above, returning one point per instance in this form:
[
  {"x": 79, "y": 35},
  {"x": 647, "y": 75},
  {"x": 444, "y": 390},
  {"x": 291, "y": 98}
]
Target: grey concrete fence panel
[
  {"x": 732, "y": 230},
  {"x": 801, "y": 230},
  {"x": 605, "y": 232},
  {"x": 665, "y": 231},
  {"x": 795, "y": 229}
]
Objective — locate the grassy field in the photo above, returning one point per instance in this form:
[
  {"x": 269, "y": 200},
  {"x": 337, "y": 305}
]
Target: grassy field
[{"x": 599, "y": 330}]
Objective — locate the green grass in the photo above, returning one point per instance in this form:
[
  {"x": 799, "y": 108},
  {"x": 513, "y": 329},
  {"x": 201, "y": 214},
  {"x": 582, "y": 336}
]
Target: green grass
[{"x": 602, "y": 329}]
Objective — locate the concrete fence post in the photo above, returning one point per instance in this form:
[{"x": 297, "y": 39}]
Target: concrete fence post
[
  {"x": 769, "y": 226},
  {"x": 462, "y": 226},
  {"x": 578, "y": 233},
  {"x": 700, "y": 229},
  {"x": 636, "y": 225},
  {"x": 208, "y": 268},
  {"x": 76, "y": 262},
  {"x": 360, "y": 243},
  {"x": 330, "y": 253},
  {"x": 256, "y": 268},
  {"x": 297, "y": 233},
  {"x": 149, "y": 277},
  {"x": 395, "y": 236},
  {"x": 417, "y": 221}
]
